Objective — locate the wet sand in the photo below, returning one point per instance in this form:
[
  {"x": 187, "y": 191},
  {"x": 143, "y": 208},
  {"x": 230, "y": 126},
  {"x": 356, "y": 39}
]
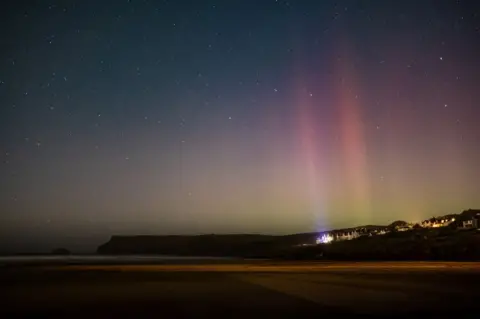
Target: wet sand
[{"x": 242, "y": 289}]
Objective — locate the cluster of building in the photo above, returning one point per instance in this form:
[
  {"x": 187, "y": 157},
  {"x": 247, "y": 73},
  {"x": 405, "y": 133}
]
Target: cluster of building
[
  {"x": 437, "y": 222},
  {"x": 469, "y": 219},
  {"x": 349, "y": 234}
]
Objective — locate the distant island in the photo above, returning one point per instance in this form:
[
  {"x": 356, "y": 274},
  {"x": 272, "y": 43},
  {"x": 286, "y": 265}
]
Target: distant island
[{"x": 449, "y": 237}]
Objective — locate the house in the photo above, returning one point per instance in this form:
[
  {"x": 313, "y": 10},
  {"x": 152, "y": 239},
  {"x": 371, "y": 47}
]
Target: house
[
  {"x": 347, "y": 235},
  {"x": 338, "y": 236},
  {"x": 379, "y": 232},
  {"x": 470, "y": 223},
  {"x": 437, "y": 222}
]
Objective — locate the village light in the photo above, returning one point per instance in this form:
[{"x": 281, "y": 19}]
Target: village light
[{"x": 324, "y": 239}]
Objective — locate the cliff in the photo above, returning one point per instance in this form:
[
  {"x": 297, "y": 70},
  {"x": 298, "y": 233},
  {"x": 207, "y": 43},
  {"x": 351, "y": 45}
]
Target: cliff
[
  {"x": 417, "y": 244},
  {"x": 203, "y": 245}
]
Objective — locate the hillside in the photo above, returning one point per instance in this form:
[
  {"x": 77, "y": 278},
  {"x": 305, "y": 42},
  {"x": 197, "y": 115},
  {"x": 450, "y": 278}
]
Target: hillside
[
  {"x": 399, "y": 240},
  {"x": 420, "y": 244},
  {"x": 204, "y": 245}
]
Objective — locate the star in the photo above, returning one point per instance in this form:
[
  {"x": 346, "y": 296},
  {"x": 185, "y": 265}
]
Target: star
[{"x": 210, "y": 91}]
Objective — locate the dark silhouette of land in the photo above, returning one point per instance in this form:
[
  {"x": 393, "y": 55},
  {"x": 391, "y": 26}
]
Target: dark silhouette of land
[
  {"x": 61, "y": 251},
  {"x": 242, "y": 290},
  {"x": 451, "y": 242}
]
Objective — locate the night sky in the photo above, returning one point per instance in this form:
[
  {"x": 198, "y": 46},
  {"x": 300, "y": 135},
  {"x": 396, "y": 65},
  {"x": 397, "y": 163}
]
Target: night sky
[{"x": 248, "y": 116}]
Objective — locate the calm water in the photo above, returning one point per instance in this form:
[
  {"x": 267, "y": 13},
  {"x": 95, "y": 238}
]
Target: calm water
[{"x": 107, "y": 259}]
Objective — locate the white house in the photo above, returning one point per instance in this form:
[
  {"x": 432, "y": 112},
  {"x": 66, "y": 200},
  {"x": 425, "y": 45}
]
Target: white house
[
  {"x": 470, "y": 223},
  {"x": 349, "y": 235}
]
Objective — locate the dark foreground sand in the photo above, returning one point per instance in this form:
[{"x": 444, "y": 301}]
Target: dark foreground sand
[{"x": 241, "y": 290}]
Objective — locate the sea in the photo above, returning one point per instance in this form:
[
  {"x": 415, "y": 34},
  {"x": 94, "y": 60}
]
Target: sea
[{"x": 108, "y": 259}]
